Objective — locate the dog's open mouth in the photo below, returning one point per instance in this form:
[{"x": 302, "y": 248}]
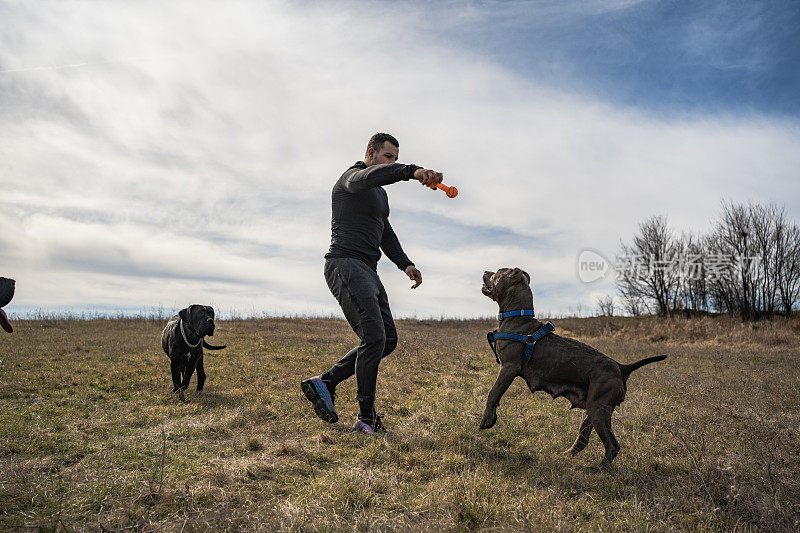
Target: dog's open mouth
[{"x": 488, "y": 286}]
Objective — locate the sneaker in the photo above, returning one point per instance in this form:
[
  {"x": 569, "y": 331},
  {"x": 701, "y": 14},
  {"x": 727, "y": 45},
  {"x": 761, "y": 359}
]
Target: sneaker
[
  {"x": 321, "y": 398},
  {"x": 370, "y": 426}
]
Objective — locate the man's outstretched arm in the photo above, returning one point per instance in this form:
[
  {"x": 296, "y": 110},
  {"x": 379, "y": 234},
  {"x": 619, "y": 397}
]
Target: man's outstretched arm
[{"x": 379, "y": 175}]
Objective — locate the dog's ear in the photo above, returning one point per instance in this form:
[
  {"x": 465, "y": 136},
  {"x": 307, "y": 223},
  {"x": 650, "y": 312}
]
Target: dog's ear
[
  {"x": 517, "y": 274},
  {"x": 210, "y": 311},
  {"x": 188, "y": 314},
  {"x": 527, "y": 276}
]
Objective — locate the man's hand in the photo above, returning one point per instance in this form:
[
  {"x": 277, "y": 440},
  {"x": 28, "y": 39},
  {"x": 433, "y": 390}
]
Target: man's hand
[
  {"x": 427, "y": 177},
  {"x": 414, "y": 274}
]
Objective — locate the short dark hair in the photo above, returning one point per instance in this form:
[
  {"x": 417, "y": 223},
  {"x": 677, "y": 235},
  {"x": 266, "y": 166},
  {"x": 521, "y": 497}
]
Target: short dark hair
[{"x": 377, "y": 140}]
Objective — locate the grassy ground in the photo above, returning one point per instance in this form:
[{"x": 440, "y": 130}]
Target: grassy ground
[{"x": 91, "y": 438}]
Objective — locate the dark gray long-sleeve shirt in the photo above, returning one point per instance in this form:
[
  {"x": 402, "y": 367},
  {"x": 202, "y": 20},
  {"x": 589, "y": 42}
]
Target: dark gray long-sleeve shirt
[{"x": 360, "y": 214}]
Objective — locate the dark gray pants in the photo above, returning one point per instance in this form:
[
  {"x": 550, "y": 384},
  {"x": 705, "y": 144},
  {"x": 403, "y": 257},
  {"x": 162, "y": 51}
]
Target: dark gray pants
[{"x": 360, "y": 293}]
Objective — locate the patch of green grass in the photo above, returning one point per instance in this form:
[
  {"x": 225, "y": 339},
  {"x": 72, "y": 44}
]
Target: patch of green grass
[{"x": 91, "y": 437}]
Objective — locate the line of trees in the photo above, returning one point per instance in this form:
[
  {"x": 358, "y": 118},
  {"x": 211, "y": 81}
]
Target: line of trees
[{"x": 748, "y": 264}]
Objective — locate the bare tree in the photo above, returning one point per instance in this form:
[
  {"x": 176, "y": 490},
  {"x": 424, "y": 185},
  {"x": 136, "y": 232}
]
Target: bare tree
[
  {"x": 633, "y": 303},
  {"x": 692, "y": 286},
  {"x": 649, "y": 265},
  {"x": 788, "y": 252},
  {"x": 733, "y": 245},
  {"x": 757, "y": 240},
  {"x": 749, "y": 264},
  {"x": 766, "y": 222},
  {"x": 718, "y": 274},
  {"x": 605, "y": 305}
]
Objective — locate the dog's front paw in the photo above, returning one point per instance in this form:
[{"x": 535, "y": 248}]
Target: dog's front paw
[
  {"x": 603, "y": 466},
  {"x": 181, "y": 395},
  {"x": 488, "y": 421}
]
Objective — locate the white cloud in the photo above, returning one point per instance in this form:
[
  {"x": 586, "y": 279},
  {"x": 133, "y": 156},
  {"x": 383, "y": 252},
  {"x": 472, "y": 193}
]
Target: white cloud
[{"x": 191, "y": 157}]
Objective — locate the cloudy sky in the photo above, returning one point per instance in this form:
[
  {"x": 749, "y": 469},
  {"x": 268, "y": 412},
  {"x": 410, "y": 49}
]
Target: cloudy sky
[{"x": 156, "y": 154}]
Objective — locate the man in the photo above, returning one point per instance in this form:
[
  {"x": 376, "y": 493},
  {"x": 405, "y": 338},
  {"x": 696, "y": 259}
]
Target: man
[{"x": 360, "y": 229}]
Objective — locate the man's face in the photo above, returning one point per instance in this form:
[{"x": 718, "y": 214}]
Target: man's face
[{"x": 387, "y": 154}]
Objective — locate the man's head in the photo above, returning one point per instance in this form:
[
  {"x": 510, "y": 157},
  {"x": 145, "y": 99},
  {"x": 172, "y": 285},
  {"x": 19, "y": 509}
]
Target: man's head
[{"x": 382, "y": 148}]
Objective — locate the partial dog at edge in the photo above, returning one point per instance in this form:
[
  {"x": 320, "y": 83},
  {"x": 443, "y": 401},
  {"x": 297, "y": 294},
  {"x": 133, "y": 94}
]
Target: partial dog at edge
[
  {"x": 183, "y": 340},
  {"x": 559, "y": 366},
  {"x": 6, "y": 295}
]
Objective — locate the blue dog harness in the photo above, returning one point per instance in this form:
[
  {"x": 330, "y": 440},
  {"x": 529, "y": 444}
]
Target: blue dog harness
[{"x": 529, "y": 340}]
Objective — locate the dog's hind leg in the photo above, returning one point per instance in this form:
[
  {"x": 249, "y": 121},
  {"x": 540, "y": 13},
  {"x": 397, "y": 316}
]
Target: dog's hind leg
[
  {"x": 601, "y": 421},
  {"x": 507, "y": 374},
  {"x": 583, "y": 437}
]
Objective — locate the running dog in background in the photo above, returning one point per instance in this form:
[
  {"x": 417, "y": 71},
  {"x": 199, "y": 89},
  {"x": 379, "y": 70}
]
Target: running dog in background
[
  {"x": 559, "y": 366},
  {"x": 6, "y": 294},
  {"x": 183, "y": 341}
]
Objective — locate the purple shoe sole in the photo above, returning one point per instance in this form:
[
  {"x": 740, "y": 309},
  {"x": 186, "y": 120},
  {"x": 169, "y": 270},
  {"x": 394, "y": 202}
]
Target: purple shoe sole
[
  {"x": 363, "y": 427},
  {"x": 317, "y": 393}
]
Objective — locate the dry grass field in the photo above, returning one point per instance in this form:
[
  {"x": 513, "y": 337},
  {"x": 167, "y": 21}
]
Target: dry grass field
[{"x": 92, "y": 439}]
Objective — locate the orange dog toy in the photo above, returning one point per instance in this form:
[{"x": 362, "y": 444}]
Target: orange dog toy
[{"x": 451, "y": 192}]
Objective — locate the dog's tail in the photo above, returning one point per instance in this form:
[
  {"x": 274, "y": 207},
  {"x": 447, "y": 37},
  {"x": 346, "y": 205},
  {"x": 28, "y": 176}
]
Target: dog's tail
[
  {"x": 627, "y": 369},
  {"x": 212, "y": 347}
]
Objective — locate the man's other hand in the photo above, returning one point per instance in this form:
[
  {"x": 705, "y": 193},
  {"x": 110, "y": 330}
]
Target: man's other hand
[
  {"x": 414, "y": 274},
  {"x": 427, "y": 177}
]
